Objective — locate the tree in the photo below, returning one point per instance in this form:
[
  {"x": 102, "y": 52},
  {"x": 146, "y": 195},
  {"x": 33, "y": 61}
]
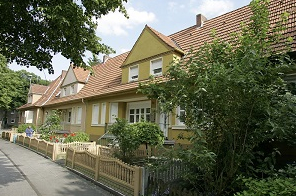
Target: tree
[
  {"x": 235, "y": 99},
  {"x": 14, "y": 85},
  {"x": 32, "y": 31},
  {"x": 94, "y": 60}
]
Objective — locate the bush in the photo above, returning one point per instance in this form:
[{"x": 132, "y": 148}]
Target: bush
[
  {"x": 22, "y": 128},
  {"x": 270, "y": 186},
  {"x": 282, "y": 182}
]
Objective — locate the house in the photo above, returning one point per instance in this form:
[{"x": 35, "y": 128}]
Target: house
[
  {"x": 8, "y": 119},
  {"x": 89, "y": 102}
]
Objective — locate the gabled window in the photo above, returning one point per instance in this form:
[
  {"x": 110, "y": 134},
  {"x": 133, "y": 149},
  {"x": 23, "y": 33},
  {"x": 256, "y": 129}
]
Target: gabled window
[
  {"x": 30, "y": 97},
  {"x": 134, "y": 73},
  {"x": 156, "y": 67},
  {"x": 65, "y": 91},
  {"x": 72, "y": 90},
  {"x": 95, "y": 115}
]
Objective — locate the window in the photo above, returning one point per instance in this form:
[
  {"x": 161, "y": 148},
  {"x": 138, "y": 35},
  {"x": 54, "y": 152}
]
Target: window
[
  {"x": 139, "y": 111},
  {"x": 69, "y": 115},
  {"x": 95, "y": 114},
  {"x": 180, "y": 115},
  {"x": 12, "y": 112},
  {"x": 29, "y": 116},
  {"x": 133, "y": 73},
  {"x": 65, "y": 91},
  {"x": 12, "y": 121},
  {"x": 156, "y": 67},
  {"x": 29, "y": 98},
  {"x": 103, "y": 113},
  {"x": 78, "y": 115},
  {"x": 72, "y": 90},
  {"x": 113, "y": 112}
]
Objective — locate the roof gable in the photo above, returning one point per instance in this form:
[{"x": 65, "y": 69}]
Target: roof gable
[
  {"x": 150, "y": 43},
  {"x": 70, "y": 77}
]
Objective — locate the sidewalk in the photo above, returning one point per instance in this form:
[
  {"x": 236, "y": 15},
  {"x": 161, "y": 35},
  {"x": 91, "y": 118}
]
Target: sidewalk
[{"x": 25, "y": 173}]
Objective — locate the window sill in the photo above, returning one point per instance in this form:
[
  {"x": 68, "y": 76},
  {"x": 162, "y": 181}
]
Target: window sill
[
  {"x": 179, "y": 127},
  {"x": 97, "y": 125}
]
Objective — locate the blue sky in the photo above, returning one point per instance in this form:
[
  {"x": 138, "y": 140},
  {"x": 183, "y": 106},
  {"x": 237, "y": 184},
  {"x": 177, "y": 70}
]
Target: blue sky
[{"x": 165, "y": 16}]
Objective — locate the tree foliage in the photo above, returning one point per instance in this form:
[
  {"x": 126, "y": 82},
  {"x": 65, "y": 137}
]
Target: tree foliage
[
  {"x": 235, "y": 99},
  {"x": 52, "y": 123},
  {"x": 32, "y": 31},
  {"x": 14, "y": 86}
]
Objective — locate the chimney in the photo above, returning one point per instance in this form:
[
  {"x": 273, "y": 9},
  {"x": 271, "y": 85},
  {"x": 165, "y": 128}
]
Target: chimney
[
  {"x": 105, "y": 58},
  {"x": 200, "y": 19}
]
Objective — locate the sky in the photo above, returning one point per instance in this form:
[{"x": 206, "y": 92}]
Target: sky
[{"x": 165, "y": 16}]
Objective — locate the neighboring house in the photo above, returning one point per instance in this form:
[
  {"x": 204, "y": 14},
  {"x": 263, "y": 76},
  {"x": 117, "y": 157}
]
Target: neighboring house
[
  {"x": 8, "y": 120},
  {"x": 90, "y": 102}
]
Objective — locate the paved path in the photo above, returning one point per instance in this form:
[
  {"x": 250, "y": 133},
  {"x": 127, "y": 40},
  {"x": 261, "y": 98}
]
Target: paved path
[{"x": 25, "y": 173}]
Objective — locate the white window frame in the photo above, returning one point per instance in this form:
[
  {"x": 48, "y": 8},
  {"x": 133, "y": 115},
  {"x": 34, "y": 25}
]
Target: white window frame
[
  {"x": 72, "y": 89},
  {"x": 95, "y": 114},
  {"x": 78, "y": 115},
  {"x": 30, "y": 99},
  {"x": 12, "y": 112},
  {"x": 29, "y": 115},
  {"x": 133, "y": 73},
  {"x": 103, "y": 113},
  {"x": 178, "y": 120},
  {"x": 69, "y": 116},
  {"x": 12, "y": 121},
  {"x": 154, "y": 67},
  {"x": 139, "y": 110},
  {"x": 65, "y": 91},
  {"x": 113, "y": 112}
]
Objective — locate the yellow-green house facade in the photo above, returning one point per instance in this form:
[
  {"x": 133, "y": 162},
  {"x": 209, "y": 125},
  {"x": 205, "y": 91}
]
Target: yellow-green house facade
[{"x": 91, "y": 102}]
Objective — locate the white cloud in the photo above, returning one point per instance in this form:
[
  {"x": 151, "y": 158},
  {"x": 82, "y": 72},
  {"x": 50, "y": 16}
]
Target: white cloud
[
  {"x": 211, "y": 8},
  {"x": 116, "y": 24},
  {"x": 174, "y": 6}
]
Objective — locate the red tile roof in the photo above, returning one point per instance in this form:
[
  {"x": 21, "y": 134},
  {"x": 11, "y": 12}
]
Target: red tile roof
[
  {"x": 81, "y": 74},
  {"x": 107, "y": 76},
  {"x": 193, "y": 37},
  {"x": 38, "y": 89},
  {"x": 48, "y": 95}
]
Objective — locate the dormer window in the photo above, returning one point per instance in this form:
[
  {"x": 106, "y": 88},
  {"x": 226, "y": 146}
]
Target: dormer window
[
  {"x": 72, "y": 90},
  {"x": 30, "y": 98},
  {"x": 134, "y": 73},
  {"x": 65, "y": 91},
  {"x": 156, "y": 67}
]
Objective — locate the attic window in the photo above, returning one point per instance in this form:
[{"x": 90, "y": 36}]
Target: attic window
[
  {"x": 134, "y": 73},
  {"x": 156, "y": 67}
]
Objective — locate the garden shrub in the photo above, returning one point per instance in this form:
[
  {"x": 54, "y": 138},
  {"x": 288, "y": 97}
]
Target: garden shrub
[{"x": 22, "y": 128}]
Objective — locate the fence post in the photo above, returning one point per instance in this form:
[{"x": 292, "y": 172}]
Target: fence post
[
  {"x": 54, "y": 151},
  {"x": 73, "y": 158},
  {"x": 137, "y": 181},
  {"x": 97, "y": 168},
  {"x": 144, "y": 180}
]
